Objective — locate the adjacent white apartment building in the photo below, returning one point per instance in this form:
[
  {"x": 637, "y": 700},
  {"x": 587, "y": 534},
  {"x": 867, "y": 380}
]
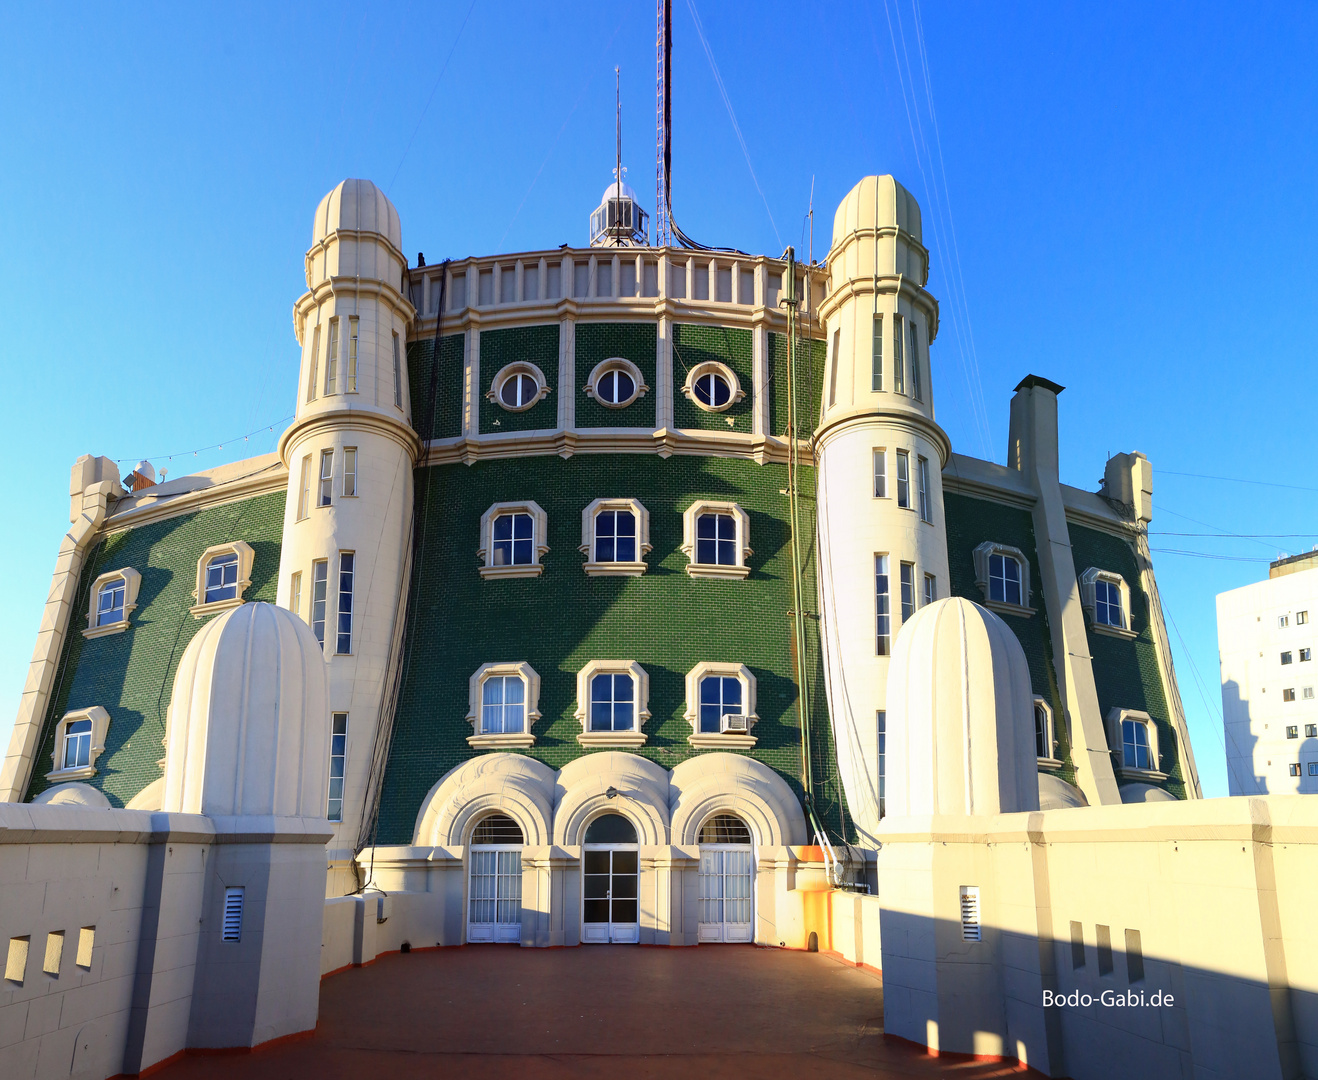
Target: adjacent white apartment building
[{"x": 1265, "y": 643}]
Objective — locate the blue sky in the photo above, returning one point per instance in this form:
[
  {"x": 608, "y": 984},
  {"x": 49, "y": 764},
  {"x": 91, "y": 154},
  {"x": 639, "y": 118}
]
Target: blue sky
[{"x": 1128, "y": 196}]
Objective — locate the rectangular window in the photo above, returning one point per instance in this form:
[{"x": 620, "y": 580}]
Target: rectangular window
[
  {"x": 338, "y": 753},
  {"x": 345, "y": 603},
  {"x": 231, "y": 927},
  {"x": 883, "y": 752},
  {"x": 1077, "y": 946},
  {"x": 1301, "y": 617},
  {"x": 1311, "y": 730},
  {"x": 903, "y": 479},
  {"x": 1295, "y": 768},
  {"x": 917, "y": 387},
  {"x": 1286, "y": 657},
  {"x": 326, "y": 477},
  {"x": 350, "y": 471},
  {"x": 1292, "y": 731},
  {"x": 332, "y": 359},
  {"x": 930, "y": 588},
  {"x": 295, "y": 593},
  {"x": 1288, "y": 694},
  {"x": 503, "y": 701},
  {"x": 1134, "y": 957},
  {"x": 1107, "y": 604},
  {"x": 315, "y": 364},
  {"x": 832, "y": 377},
  {"x": 398, "y": 374},
  {"x": 319, "y": 588},
  {"x": 77, "y": 744},
  {"x": 1313, "y": 768},
  {"x": 1283, "y": 621},
  {"x": 1042, "y": 743},
  {"x": 883, "y": 628},
  {"x": 922, "y": 479},
  {"x": 898, "y": 357},
  {"x": 513, "y": 540},
  {"x": 1005, "y": 580},
  {"x": 351, "y": 386},
  {"x": 880, "y": 473},
  {"x": 1305, "y": 655},
  {"x": 1135, "y": 745},
  {"x": 908, "y": 590},
  {"x": 304, "y": 496},
  {"x": 1104, "y": 935},
  {"x": 876, "y": 356}
]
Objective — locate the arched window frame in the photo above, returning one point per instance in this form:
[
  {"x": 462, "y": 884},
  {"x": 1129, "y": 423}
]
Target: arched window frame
[
  {"x": 705, "y": 368},
  {"x": 689, "y": 547},
  {"x": 717, "y": 740},
  {"x": 502, "y": 740},
  {"x": 982, "y": 555},
  {"x": 640, "y": 703},
  {"x": 615, "y": 569},
  {"x": 100, "y": 721},
  {"x": 1089, "y": 601},
  {"x": 539, "y": 530},
  {"x": 518, "y": 367},
  {"x": 1049, "y": 760},
  {"x": 1115, "y": 719},
  {"x": 615, "y": 363},
  {"x": 132, "y": 581},
  {"x": 245, "y": 557}
]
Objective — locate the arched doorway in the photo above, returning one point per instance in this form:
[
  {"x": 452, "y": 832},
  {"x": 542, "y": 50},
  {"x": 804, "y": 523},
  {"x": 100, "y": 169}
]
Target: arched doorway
[
  {"x": 610, "y": 871},
  {"x": 494, "y": 904},
  {"x": 727, "y": 881}
]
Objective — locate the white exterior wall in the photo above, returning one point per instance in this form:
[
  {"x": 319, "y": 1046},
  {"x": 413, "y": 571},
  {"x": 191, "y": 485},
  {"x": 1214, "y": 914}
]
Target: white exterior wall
[
  {"x": 1254, "y": 716},
  {"x": 354, "y": 270},
  {"x": 877, "y": 266}
]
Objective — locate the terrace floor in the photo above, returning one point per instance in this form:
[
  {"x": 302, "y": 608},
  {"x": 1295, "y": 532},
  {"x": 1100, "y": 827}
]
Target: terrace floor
[{"x": 602, "y": 1011}]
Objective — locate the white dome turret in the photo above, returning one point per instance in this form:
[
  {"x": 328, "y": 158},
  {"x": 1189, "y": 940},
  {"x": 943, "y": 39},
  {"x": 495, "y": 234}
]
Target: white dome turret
[{"x": 619, "y": 221}]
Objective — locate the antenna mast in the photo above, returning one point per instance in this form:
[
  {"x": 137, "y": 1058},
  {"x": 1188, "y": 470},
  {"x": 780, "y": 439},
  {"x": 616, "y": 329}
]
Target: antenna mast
[
  {"x": 663, "y": 233},
  {"x": 617, "y": 94}
]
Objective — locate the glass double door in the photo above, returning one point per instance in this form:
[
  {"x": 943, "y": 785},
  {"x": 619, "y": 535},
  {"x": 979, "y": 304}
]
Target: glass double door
[
  {"x": 727, "y": 904},
  {"x": 610, "y": 908},
  {"x": 495, "y": 895}
]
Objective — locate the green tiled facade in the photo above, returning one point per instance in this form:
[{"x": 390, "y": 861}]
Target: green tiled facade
[
  {"x": 447, "y": 421},
  {"x": 1126, "y": 672},
  {"x": 131, "y": 674},
  {"x": 810, "y": 382},
  {"x": 693, "y": 345},
  {"x": 634, "y": 341},
  {"x": 971, "y": 522},
  {"x": 529, "y": 344},
  {"x": 665, "y": 620}
]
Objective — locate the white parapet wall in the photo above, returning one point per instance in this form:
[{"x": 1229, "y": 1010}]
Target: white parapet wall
[
  {"x": 1151, "y": 940},
  {"x": 124, "y": 938}
]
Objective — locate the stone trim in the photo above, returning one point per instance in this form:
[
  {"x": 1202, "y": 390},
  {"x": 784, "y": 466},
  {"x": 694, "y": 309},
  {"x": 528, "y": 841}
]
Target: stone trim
[
  {"x": 641, "y": 703},
  {"x": 714, "y": 570},
  {"x": 710, "y": 739},
  {"x": 539, "y": 530},
  {"x": 615, "y": 569},
  {"x": 245, "y": 557},
  {"x": 132, "y": 582},
  {"x": 100, "y": 726},
  {"x": 530, "y": 679}
]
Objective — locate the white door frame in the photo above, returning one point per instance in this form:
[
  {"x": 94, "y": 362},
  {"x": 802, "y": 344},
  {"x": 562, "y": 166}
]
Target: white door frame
[
  {"x": 611, "y": 932},
  {"x": 724, "y": 931},
  {"x": 495, "y": 931}
]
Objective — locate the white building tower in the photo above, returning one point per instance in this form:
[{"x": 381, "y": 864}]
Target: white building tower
[
  {"x": 882, "y": 539},
  {"x": 350, "y": 454}
]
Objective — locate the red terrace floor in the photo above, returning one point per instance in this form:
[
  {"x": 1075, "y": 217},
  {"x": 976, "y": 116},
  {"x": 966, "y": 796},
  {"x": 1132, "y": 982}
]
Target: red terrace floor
[{"x": 618, "y": 1011}]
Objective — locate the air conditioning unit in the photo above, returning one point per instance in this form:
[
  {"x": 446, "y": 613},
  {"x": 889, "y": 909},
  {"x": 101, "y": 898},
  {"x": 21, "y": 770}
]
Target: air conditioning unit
[{"x": 733, "y": 722}]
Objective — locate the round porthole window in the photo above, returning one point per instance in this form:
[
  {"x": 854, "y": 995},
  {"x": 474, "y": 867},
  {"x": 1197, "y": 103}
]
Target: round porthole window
[
  {"x": 616, "y": 382},
  {"x": 712, "y": 390},
  {"x": 713, "y": 386},
  {"x": 518, "y": 391}
]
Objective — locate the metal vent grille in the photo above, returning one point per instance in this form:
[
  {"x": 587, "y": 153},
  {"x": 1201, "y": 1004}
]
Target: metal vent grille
[
  {"x": 969, "y": 912},
  {"x": 232, "y": 929}
]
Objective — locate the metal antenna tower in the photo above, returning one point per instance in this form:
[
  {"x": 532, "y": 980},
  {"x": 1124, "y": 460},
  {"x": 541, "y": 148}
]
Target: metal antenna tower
[{"x": 663, "y": 231}]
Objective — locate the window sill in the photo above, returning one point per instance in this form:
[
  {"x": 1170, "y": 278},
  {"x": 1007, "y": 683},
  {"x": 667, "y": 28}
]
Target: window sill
[
  {"x": 630, "y": 739},
  {"x": 1113, "y": 631},
  {"x": 200, "y": 611},
  {"x": 501, "y": 741},
  {"x": 717, "y": 740},
  {"x": 1128, "y": 773},
  {"x": 1049, "y": 763},
  {"x": 107, "y": 630},
  {"x": 83, "y": 772},
  {"x": 526, "y": 570},
  {"x": 705, "y": 570},
  {"x": 1002, "y": 608},
  {"x": 614, "y": 569}
]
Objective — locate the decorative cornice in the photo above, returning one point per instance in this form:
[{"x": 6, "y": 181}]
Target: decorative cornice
[
  {"x": 911, "y": 420},
  {"x": 395, "y": 428},
  {"x": 565, "y": 442}
]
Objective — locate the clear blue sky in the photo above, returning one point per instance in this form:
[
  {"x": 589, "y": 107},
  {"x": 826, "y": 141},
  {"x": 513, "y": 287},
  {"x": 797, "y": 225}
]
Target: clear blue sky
[{"x": 1131, "y": 188}]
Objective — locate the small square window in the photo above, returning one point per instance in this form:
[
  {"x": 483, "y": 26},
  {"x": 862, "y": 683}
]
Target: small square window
[
  {"x": 1306, "y": 655},
  {"x": 1283, "y": 621},
  {"x": 1313, "y": 768},
  {"x": 513, "y": 540},
  {"x": 1301, "y": 617},
  {"x": 1286, "y": 657},
  {"x": 1311, "y": 731},
  {"x": 1288, "y": 694},
  {"x": 1307, "y": 693},
  {"x": 1295, "y": 768},
  {"x": 1292, "y": 732},
  {"x": 222, "y": 578}
]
